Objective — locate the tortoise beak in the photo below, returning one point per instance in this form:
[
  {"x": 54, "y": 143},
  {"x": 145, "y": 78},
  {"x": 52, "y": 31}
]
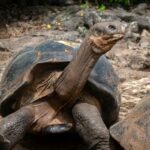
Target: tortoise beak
[{"x": 118, "y": 36}]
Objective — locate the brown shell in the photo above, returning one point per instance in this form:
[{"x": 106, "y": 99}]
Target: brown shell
[
  {"x": 133, "y": 133},
  {"x": 32, "y": 70}
]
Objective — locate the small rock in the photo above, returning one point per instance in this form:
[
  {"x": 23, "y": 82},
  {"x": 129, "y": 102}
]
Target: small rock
[
  {"x": 141, "y": 9},
  {"x": 145, "y": 39},
  {"x": 91, "y": 18}
]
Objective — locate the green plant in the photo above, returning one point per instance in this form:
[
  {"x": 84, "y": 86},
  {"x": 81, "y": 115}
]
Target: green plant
[
  {"x": 124, "y": 2},
  {"x": 101, "y": 4},
  {"x": 86, "y": 5},
  {"x": 101, "y": 7}
]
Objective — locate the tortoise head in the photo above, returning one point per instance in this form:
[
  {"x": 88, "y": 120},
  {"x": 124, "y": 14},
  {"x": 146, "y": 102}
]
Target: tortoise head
[{"x": 105, "y": 34}]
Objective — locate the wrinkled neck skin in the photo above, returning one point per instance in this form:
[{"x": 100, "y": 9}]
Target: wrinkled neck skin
[{"x": 75, "y": 75}]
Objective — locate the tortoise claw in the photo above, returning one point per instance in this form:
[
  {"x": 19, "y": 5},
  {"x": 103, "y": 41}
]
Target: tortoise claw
[
  {"x": 59, "y": 128},
  {"x": 4, "y": 143}
]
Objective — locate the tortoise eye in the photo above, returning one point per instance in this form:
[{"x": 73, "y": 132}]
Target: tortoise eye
[{"x": 112, "y": 27}]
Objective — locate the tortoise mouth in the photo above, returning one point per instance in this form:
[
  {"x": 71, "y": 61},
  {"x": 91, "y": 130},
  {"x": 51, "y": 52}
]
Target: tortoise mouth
[
  {"x": 104, "y": 43},
  {"x": 118, "y": 36},
  {"x": 114, "y": 38}
]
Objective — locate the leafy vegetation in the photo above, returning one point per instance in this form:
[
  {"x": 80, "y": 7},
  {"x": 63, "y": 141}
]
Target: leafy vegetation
[
  {"x": 85, "y": 5},
  {"x": 124, "y": 2},
  {"x": 101, "y": 7},
  {"x": 100, "y": 3}
]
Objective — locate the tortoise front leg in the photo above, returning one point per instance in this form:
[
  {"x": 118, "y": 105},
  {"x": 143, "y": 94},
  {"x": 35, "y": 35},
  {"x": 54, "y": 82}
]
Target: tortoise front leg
[
  {"x": 14, "y": 127},
  {"x": 91, "y": 127}
]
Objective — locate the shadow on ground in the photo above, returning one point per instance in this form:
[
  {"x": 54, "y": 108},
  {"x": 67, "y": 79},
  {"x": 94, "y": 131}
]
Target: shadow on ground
[{"x": 57, "y": 142}]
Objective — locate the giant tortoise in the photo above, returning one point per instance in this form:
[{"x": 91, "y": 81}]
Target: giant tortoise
[{"x": 50, "y": 88}]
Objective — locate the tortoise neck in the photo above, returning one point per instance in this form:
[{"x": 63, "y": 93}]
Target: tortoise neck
[{"x": 75, "y": 75}]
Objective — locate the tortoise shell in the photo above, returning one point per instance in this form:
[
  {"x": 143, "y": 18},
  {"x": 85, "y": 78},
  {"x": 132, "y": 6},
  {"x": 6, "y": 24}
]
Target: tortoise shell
[
  {"x": 133, "y": 133},
  {"x": 29, "y": 75}
]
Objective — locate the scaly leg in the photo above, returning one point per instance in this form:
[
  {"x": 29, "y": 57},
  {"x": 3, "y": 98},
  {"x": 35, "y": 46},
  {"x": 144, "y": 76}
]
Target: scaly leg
[
  {"x": 14, "y": 126},
  {"x": 90, "y": 126}
]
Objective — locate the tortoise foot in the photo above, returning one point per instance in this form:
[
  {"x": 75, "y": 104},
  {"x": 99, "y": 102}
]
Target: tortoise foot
[
  {"x": 4, "y": 143},
  {"x": 14, "y": 127},
  {"x": 91, "y": 127}
]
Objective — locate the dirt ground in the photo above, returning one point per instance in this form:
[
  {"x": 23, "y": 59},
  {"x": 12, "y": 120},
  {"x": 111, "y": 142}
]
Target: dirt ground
[{"x": 135, "y": 83}]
